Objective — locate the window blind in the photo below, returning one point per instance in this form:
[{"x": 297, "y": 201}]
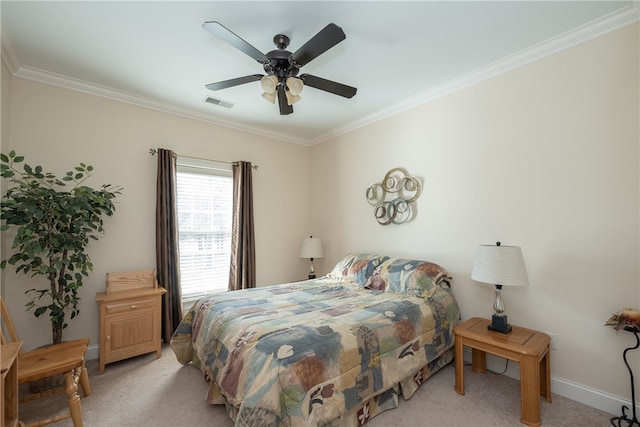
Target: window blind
[{"x": 204, "y": 226}]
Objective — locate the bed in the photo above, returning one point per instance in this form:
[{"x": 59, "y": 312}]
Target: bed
[{"x": 336, "y": 350}]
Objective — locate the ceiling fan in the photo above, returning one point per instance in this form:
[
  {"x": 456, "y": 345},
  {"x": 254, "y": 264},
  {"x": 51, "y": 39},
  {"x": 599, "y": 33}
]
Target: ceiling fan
[{"x": 282, "y": 66}]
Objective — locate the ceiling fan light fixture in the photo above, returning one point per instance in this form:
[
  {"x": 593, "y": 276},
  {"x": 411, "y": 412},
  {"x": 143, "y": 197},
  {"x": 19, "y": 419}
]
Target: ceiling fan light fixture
[
  {"x": 291, "y": 98},
  {"x": 271, "y": 97},
  {"x": 295, "y": 85},
  {"x": 269, "y": 84}
]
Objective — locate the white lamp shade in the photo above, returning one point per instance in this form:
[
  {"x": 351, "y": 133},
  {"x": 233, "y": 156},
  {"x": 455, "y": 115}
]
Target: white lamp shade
[
  {"x": 295, "y": 85},
  {"x": 311, "y": 248},
  {"x": 500, "y": 265},
  {"x": 292, "y": 99},
  {"x": 271, "y": 97},
  {"x": 269, "y": 84}
]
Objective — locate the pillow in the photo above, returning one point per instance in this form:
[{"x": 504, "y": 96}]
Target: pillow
[
  {"x": 413, "y": 277},
  {"x": 356, "y": 267}
]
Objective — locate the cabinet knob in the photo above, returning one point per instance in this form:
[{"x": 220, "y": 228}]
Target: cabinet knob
[
  {"x": 108, "y": 337},
  {"x": 133, "y": 306}
]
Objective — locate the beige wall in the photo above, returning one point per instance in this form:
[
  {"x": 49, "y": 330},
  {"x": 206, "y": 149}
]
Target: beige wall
[
  {"x": 59, "y": 128},
  {"x": 4, "y": 103},
  {"x": 4, "y": 136},
  {"x": 544, "y": 157}
]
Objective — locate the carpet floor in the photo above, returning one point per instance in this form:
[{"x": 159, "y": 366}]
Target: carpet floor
[{"x": 148, "y": 392}]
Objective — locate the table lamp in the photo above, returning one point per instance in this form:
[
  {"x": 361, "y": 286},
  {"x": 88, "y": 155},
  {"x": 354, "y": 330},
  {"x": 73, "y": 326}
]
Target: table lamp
[
  {"x": 311, "y": 248},
  {"x": 499, "y": 265}
]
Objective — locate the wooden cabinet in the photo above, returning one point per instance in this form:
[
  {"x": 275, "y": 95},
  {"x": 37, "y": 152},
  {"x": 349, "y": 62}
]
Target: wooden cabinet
[{"x": 130, "y": 323}]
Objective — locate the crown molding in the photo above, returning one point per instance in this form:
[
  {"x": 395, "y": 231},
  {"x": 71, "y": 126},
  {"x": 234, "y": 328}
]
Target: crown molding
[
  {"x": 8, "y": 53},
  {"x": 601, "y": 26},
  {"x": 589, "y": 31},
  {"x": 42, "y": 76}
]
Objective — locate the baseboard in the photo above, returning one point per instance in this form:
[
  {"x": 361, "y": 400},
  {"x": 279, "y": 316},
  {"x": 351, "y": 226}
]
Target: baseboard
[
  {"x": 93, "y": 352},
  {"x": 586, "y": 395}
]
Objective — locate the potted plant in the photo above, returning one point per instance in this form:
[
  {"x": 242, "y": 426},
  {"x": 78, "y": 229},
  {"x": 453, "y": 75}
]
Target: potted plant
[{"x": 53, "y": 226}]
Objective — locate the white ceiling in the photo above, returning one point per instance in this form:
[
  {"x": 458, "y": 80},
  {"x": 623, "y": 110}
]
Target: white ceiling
[{"x": 398, "y": 54}]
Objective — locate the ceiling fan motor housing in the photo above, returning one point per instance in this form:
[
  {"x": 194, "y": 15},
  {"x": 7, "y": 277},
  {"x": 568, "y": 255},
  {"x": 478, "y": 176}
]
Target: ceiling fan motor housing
[{"x": 280, "y": 64}]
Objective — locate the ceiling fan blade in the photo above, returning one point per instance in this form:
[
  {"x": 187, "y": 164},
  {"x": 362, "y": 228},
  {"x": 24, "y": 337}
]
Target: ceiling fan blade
[
  {"x": 285, "y": 108},
  {"x": 219, "y": 30},
  {"x": 327, "y": 38},
  {"x": 234, "y": 82},
  {"x": 328, "y": 85}
]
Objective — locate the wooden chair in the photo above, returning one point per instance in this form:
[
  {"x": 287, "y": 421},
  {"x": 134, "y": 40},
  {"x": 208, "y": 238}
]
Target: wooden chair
[{"x": 66, "y": 358}]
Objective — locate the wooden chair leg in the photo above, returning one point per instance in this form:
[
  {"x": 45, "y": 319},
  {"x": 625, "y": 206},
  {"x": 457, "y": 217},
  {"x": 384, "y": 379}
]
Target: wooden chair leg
[
  {"x": 84, "y": 380},
  {"x": 73, "y": 401},
  {"x": 75, "y": 408}
]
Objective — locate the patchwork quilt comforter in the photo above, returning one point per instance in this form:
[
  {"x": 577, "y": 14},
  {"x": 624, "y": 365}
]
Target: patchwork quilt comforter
[{"x": 331, "y": 351}]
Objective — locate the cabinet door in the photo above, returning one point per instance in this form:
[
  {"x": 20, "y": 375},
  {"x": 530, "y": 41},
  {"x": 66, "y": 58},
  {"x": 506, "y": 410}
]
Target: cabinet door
[{"x": 130, "y": 333}]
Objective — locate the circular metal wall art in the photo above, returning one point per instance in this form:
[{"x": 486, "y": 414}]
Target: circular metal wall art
[{"x": 393, "y": 199}]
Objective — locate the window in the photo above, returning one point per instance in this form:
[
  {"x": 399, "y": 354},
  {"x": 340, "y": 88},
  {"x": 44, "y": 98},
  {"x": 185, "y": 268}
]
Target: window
[{"x": 204, "y": 225}]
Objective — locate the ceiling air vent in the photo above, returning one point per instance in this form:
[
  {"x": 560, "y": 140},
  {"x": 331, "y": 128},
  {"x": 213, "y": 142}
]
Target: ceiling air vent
[{"x": 218, "y": 102}]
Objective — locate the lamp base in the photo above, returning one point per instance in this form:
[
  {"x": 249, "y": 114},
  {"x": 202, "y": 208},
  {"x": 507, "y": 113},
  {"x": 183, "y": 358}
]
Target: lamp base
[{"x": 499, "y": 324}]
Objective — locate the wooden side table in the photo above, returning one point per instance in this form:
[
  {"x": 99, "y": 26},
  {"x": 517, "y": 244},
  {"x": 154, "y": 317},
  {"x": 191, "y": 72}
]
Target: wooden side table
[
  {"x": 130, "y": 324},
  {"x": 528, "y": 347}
]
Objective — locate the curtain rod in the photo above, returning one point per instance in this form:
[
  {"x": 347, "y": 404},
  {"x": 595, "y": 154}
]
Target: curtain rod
[{"x": 153, "y": 152}]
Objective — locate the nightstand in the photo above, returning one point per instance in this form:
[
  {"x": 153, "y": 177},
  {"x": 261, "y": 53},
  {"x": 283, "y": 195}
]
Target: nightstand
[
  {"x": 130, "y": 316},
  {"x": 528, "y": 347}
]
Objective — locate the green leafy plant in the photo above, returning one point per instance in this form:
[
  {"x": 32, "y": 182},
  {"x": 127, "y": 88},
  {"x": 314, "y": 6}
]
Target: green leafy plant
[{"x": 53, "y": 225}]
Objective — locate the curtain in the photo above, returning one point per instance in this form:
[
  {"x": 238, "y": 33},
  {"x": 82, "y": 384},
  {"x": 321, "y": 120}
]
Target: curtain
[
  {"x": 167, "y": 250},
  {"x": 242, "y": 271}
]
